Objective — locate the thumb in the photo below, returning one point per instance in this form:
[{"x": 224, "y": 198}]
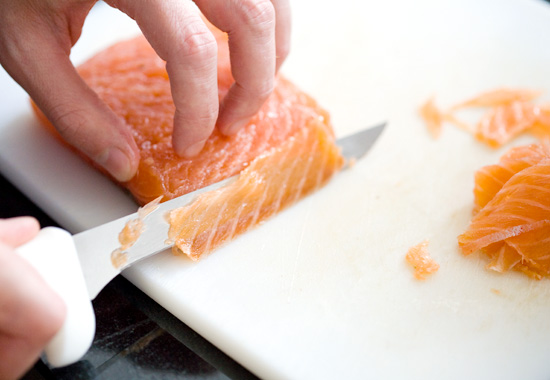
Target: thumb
[{"x": 17, "y": 231}]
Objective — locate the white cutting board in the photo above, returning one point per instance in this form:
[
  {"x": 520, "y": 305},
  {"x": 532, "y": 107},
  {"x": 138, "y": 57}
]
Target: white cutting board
[{"x": 322, "y": 291}]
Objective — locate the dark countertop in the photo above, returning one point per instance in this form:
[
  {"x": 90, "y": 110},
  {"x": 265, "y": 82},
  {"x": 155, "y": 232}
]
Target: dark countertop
[{"x": 135, "y": 337}]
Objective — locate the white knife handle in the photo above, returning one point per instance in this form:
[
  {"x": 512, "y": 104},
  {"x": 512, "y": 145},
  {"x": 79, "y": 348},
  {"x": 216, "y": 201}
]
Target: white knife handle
[{"x": 53, "y": 253}]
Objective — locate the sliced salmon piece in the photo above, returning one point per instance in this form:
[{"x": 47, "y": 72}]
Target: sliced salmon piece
[
  {"x": 527, "y": 253},
  {"x": 534, "y": 249},
  {"x": 510, "y": 113},
  {"x": 511, "y": 222},
  {"x": 501, "y": 124},
  {"x": 541, "y": 127},
  {"x": 498, "y": 97},
  {"x": 432, "y": 116},
  {"x": 132, "y": 80},
  {"x": 513, "y": 227},
  {"x": 273, "y": 181},
  {"x": 490, "y": 179},
  {"x": 503, "y": 257}
]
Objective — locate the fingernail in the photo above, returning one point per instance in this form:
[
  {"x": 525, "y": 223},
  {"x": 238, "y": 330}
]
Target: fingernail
[
  {"x": 117, "y": 163},
  {"x": 235, "y": 127},
  {"x": 194, "y": 149}
]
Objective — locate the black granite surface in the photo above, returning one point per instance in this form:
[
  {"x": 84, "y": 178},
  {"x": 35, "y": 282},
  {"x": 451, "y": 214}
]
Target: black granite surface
[{"x": 135, "y": 337}]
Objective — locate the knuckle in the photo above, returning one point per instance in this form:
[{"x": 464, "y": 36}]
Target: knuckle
[
  {"x": 198, "y": 42},
  {"x": 257, "y": 93},
  {"x": 210, "y": 114},
  {"x": 206, "y": 117},
  {"x": 202, "y": 116},
  {"x": 258, "y": 14},
  {"x": 67, "y": 119},
  {"x": 263, "y": 90}
]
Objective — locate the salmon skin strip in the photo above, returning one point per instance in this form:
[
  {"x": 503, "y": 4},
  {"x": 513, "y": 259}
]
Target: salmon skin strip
[
  {"x": 273, "y": 181},
  {"x": 132, "y": 80},
  {"x": 513, "y": 227}
]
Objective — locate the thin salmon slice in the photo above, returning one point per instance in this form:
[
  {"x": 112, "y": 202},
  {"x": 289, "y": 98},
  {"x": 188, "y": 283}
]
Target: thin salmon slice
[
  {"x": 132, "y": 80},
  {"x": 498, "y": 97},
  {"x": 510, "y": 112},
  {"x": 432, "y": 116},
  {"x": 512, "y": 225},
  {"x": 490, "y": 179},
  {"x": 503, "y": 123},
  {"x": 271, "y": 183}
]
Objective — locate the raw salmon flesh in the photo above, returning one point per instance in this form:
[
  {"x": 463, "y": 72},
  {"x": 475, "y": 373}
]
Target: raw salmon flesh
[
  {"x": 421, "y": 261},
  {"x": 512, "y": 212},
  {"x": 286, "y": 151},
  {"x": 511, "y": 222},
  {"x": 509, "y": 112}
]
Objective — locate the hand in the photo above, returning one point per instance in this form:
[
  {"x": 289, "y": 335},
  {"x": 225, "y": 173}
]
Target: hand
[
  {"x": 36, "y": 37},
  {"x": 30, "y": 312}
]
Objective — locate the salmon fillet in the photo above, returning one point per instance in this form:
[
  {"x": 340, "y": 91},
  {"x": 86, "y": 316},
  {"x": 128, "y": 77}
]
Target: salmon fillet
[
  {"x": 132, "y": 80},
  {"x": 285, "y": 152}
]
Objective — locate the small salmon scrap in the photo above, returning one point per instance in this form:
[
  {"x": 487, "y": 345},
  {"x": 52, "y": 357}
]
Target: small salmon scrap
[
  {"x": 510, "y": 113},
  {"x": 512, "y": 212},
  {"x": 421, "y": 261},
  {"x": 433, "y": 117},
  {"x": 131, "y": 232}
]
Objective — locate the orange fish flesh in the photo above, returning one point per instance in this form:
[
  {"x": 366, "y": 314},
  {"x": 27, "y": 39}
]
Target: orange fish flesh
[
  {"x": 132, "y": 80},
  {"x": 285, "y": 152},
  {"x": 502, "y": 123},
  {"x": 433, "y": 117},
  {"x": 272, "y": 182},
  {"x": 510, "y": 113},
  {"x": 421, "y": 261},
  {"x": 499, "y": 97},
  {"x": 490, "y": 179},
  {"x": 512, "y": 223}
]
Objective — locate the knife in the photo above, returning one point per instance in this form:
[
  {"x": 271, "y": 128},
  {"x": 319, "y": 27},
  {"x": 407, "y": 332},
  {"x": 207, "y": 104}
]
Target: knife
[{"x": 78, "y": 267}]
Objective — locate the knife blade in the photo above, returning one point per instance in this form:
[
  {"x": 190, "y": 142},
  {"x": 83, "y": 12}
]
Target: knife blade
[
  {"x": 96, "y": 245},
  {"x": 78, "y": 267}
]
